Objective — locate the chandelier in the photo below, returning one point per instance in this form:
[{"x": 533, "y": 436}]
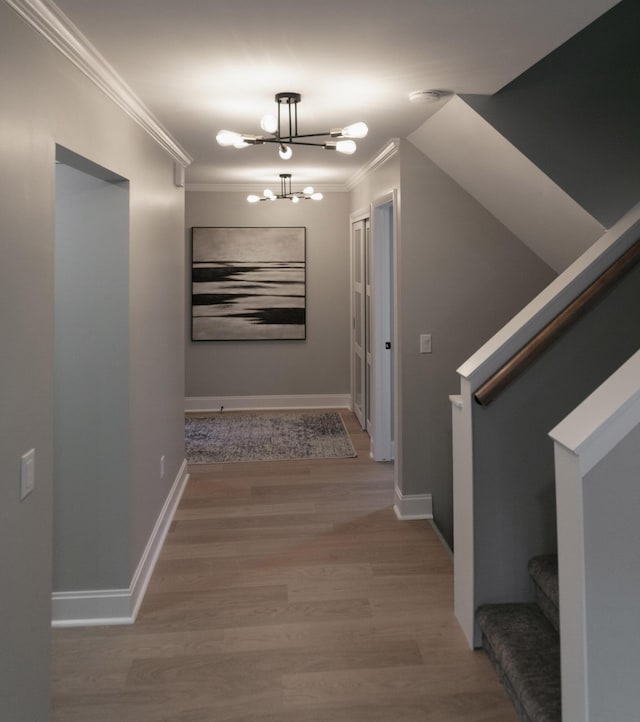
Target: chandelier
[
  {"x": 307, "y": 194},
  {"x": 283, "y": 130}
]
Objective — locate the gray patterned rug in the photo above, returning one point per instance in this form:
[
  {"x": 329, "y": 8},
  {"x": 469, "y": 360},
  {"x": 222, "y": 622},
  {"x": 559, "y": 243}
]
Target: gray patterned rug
[{"x": 232, "y": 436}]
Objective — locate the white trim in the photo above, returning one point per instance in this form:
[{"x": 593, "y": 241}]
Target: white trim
[
  {"x": 571, "y": 578},
  {"x": 464, "y": 599},
  {"x": 47, "y": 19},
  {"x": 251, "y": 403},
  {"x": 383, "y": 281},
  {"x": 412, "y": 506},
  {"x": 379, "y": 159},
  {"x": 360, "y": 215},
  {"x": 120, "y": 606}
]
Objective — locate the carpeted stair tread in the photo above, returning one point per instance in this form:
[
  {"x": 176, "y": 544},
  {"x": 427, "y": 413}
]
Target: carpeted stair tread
[
  {"x": 543, "y": 570},
  {"x": 525, "y": 650}
]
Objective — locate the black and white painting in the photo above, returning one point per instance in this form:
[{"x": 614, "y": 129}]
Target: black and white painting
[{"x": 248, "y": 284}]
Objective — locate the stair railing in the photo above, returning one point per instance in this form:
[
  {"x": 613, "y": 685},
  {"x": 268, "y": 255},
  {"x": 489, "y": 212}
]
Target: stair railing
[{"x": 524, "y": 358}]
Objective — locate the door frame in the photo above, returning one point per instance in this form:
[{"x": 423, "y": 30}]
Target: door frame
[
  {"x": 361, "y": 414},
  {"x": 383, "y": 327},
  {"x": 383, "y": 219}
]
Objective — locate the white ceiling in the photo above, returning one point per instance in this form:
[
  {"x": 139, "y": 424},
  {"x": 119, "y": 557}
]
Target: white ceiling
[{"x": 203, "y": 65}]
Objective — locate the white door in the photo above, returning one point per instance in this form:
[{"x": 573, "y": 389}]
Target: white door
[
  {"x": 382, "y": 335},
  {"x": 368, "y": 331},
  {"x": 358, "y": 309}
]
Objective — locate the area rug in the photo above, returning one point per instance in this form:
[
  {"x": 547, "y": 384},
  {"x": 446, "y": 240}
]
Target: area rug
[{"x": 233, "y": 436}]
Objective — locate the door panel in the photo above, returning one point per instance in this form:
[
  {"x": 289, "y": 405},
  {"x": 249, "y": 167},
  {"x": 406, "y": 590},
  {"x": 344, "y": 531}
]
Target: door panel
[
  {"x": 367, "y": 325},
  {"x": 358, "y": 391}
]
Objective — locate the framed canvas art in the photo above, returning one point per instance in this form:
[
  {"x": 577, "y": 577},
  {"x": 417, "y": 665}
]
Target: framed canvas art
[{"x": 248, "y": 284}]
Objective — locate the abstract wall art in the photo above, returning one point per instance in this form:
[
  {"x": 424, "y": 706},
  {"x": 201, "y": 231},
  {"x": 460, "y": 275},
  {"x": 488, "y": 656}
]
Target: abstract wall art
[{"x": 248, "y": 284}]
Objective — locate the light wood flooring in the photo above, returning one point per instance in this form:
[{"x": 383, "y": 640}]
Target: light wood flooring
[{"x": 286, "y": 592}]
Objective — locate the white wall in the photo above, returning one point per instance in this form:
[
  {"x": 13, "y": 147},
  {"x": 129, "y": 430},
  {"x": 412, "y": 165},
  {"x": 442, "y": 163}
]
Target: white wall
[
  {"x": 47, "y": 102},
  {"x": 317, "y": 365}
]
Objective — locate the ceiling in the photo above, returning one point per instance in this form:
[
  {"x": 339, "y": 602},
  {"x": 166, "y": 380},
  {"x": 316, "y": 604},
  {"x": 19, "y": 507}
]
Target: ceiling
[{"x": 200, "y": 66}]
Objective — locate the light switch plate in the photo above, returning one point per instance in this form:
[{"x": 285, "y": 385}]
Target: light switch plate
[
  {"x": 425, "y": 343},
  {"x": 27, "y": 473}
]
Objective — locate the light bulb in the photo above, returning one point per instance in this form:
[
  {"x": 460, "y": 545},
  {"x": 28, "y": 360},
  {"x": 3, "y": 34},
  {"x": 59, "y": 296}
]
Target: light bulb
[
  {"x": 295, "y": 199},
  {"x": 228, "y": 137},
  {"x": 355, "y": 130},
  {"x": 285, "y": 152},
  {"x": 253, "y": 198},
  {"x": 269, "y": 123},
  {"x": 308, "y": 190},
  {"x": 316, "y": 196},
  {"x": 348, "y": 147},
  {"x": 268, "y": 194}
]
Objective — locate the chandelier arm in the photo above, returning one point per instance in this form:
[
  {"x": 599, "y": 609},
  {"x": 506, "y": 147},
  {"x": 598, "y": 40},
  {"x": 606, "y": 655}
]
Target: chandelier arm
[
  {"x": 313, "y": 135},
  {"x": 280, "y": 141}
]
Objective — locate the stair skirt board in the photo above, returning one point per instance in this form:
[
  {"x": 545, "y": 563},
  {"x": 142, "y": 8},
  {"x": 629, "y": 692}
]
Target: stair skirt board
[
  {"x": 120, "y": 606},
  {"x": 252, "y": 403}
]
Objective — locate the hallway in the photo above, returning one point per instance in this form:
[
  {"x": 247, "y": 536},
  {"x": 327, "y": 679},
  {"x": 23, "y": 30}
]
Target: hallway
[{"x": 286, "y": 592}]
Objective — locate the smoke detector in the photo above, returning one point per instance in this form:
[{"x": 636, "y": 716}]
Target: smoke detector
[{"x": 425, "y": 96}]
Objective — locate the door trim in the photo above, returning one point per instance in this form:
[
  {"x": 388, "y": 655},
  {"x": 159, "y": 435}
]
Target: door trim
[{"x": 383, "y": 328}]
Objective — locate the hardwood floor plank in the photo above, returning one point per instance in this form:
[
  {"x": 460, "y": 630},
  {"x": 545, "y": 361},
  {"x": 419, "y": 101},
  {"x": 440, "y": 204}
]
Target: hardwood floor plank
[
  {"x": 389, "y": 685},
  {"x": 286, "y": 592},
  {"x": 209, "y": 614},
  {"x": 263, "y": 667}
]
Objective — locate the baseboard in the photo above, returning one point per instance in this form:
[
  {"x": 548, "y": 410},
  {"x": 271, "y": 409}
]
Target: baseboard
[
  {"x": 412, "y": 506},
  {"x": 120, "y": 606},
  {"x": 252, "y": 403}
]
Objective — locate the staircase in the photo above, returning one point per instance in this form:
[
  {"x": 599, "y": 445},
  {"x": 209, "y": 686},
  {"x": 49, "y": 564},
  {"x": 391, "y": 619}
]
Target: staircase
[{"x": 522, "y": 640}]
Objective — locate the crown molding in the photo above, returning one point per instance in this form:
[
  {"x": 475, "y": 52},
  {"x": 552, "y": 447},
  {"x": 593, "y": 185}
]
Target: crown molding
[
  {"x": 379, "y": 159},
  {"x": 47, "y": 19},
  {"x": 259, "y": 187},
  {"x": 387, "y": 152}
]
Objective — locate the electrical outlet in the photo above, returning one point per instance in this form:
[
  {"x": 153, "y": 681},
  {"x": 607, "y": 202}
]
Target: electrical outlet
[
  {"x": 27, "y": 473},
  {"x": 162, "y": 467}
]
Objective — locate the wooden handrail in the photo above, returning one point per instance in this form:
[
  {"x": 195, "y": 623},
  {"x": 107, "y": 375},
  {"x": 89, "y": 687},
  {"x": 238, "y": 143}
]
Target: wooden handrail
[{"x": 517, "y": 364}]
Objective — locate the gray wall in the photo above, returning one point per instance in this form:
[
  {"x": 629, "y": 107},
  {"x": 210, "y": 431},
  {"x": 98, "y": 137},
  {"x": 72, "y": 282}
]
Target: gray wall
[
  {"x": 576, "y": 114},
  {"x": 612, "y": 500},
  {"x": 317, "y": 365},
  {"x": 47, "y": 101},
  {"x": 461, "y": 276},
  {"x": 91, "y": 383},
  {"x": 514, "y": 474}
]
